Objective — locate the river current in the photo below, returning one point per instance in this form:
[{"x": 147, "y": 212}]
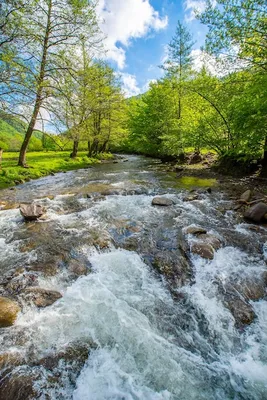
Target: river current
[{"x": 147, "y": 339}]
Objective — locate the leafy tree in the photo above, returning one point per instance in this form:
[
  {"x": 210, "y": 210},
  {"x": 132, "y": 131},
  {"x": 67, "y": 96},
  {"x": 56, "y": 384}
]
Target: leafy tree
[
  {"x": 48, "y": 30},
  {"x": 239, "y": 25}
]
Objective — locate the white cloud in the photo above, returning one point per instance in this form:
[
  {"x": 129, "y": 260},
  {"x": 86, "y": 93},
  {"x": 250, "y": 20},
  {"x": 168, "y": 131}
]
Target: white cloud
[
  {"x": 192, "y": 7},
  {"x": 124, "y": 20},
  {"x": 219, "y": 66},
  {"x": 129, "y": 84},
  {"x": 146, "y": 86}
]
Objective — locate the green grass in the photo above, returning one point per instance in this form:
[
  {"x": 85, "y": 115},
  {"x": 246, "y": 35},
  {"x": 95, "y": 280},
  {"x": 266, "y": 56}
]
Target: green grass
[
  {"x": 203, "y": 151},
  {"x": 42, "y": 164}
]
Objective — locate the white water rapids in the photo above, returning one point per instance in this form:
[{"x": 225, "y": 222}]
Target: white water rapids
[{"x": 148, "y": 346}]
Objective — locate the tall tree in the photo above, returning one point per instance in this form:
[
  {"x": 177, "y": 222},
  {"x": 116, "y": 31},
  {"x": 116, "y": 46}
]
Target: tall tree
[
  {"x": 179, "y": 59},
  {"x": 49, "y": 29}
]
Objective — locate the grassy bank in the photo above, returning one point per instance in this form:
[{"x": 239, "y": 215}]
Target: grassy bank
[{"x": 42, "y": 164}]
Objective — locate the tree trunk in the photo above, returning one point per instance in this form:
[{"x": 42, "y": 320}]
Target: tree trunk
[
  {"x": 38, "y": 99},
  {"x": 264, "y": 160},
  {"x": 74, "y": 149},
  {"x": 89, "y": 149},
  {"x": 1, "y": 155}
]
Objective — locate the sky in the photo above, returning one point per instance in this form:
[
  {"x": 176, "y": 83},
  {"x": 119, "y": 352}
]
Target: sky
[{"x": 138, "y": 32}]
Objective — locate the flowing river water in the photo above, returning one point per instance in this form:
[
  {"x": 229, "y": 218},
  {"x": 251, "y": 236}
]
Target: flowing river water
[{"x": 130, "y": 327}]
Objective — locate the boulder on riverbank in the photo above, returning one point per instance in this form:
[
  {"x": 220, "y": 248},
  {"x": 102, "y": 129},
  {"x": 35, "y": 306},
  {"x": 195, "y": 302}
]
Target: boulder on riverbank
[
  {"x": 9, "y": 310},
  {"x": 31, "y": 212},
  {"x": 257, "y": 212},
  {"x": 162, "y": 201},
  {"x": 245, "y": 197}
]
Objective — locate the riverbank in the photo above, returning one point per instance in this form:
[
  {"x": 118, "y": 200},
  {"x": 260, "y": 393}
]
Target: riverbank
[{"x": 42, "y": 164}]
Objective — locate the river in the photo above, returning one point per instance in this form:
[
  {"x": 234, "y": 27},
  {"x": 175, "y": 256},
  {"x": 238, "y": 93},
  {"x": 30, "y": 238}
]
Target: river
[{"x": 128, "y": 330}]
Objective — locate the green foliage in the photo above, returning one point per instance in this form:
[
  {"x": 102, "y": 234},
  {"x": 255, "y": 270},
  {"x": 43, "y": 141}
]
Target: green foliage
[
  {"x": 240, "y": 25},
  {"x": 227, "y": 115}
]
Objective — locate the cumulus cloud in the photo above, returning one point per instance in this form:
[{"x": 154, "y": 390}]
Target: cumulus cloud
[
  {"x": 124, "y": 20},
  {"x": 129, "y": 84},
  {"x": 193, "y": 7}
]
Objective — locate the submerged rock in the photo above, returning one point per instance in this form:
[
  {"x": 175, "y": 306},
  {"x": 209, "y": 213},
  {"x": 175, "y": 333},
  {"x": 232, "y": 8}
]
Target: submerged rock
[
  {"x": 191, "y": 198},
  {"x": 40, "y": 297},
  {"x": 18, "y": 386},
  {"x": 242, "y": 311},
  {"x": 250, "y": 288},
  {"x": 31, "y": 212},
  {"x": 162, "y": 201},
  {"x": 204, "y": 250},
  {"x": 256, "y": 213},
  {"x": 12, "y": 359},
  {"x": 76, "y": 267},
  {"x": 20, "y": 282},
  {"x": 9, "y": 310},
  {"x": 194, "y": 230},
  {"x": 76, "y": 352},
  {"x": 210, "y": 239}
]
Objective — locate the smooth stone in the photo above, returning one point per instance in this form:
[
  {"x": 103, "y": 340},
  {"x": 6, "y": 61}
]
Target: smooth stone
[
  {"x": 162, "y": 201},
  {"x": 9, "y": 310},
  {"x": 31, "y": 212},
  {"x": 257, "y": 212}
]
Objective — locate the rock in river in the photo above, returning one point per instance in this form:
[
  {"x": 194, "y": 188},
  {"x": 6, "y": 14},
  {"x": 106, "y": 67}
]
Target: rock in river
[
  {"x": 162, "y": 201},
  {"x": 242, "y": 311},
  {"x": 204, "y": 250},
  {"x": 210, "y": 239},
  {"x": 8, "y": 311},
  {"x": 194, "y": 230},
  {"x": 77, "y": 268},
  {"x": 41, "y": 297},
  {"x": 257, "y": 212},
  {"x": 31, "y": 212}
]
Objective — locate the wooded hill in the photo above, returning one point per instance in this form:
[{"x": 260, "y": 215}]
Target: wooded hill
[{"x": 12, "y": 132}]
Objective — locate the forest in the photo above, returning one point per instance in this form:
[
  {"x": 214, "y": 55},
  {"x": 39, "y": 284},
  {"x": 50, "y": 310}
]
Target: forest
[{"x": 52, "y": 74}]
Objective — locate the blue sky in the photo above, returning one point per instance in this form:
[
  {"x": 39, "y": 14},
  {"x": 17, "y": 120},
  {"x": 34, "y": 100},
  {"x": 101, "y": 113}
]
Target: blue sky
[{"x": 138, "y": 31}]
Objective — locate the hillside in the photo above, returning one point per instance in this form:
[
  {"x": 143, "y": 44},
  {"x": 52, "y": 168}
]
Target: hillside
[{"x": 12, "y": 131}]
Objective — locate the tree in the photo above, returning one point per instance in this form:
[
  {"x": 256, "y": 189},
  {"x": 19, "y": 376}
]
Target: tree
[
  {"x": 179, "y": 59},
  {"x": 238, "y": 27},
  {"x": 49, "y": 29}
]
